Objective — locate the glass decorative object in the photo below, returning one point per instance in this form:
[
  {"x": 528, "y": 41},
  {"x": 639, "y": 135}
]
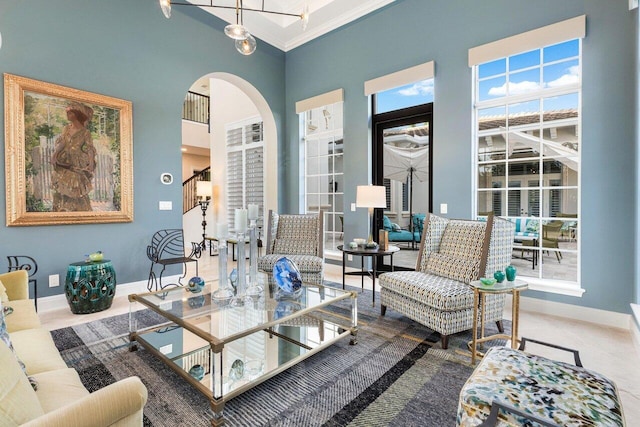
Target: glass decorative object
[
  {"x": 197, "y": 372},
  {"x": 233, "y": 279},
  {"x": 224, "y": 292},
  {"x": 499, "y": 276},
  {"x": 96, "y": 256},
  {"x": 195, "y": 284},
  {"x": 511, "y": 273},
  {"x": 237, "y": 370},
  {"x": 241, "y": 287},
  {"x": 287, "y": 276},
  {"x": 286, "y": 308},
  {"x": 196, "y": 302},
  {"x": 254, "y": 288}
]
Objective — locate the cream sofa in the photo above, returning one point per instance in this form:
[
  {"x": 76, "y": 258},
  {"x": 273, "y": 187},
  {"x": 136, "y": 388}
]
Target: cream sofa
[{"x": 60, "y": 398}]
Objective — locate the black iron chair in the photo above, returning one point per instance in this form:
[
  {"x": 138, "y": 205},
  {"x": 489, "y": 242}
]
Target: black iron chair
[
  {"x": 167, "y": 248},
  {"x": 24, "y": 262}
]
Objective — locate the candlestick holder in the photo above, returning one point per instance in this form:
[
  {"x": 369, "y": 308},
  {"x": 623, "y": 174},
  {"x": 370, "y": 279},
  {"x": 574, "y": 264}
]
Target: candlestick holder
[
  {"x": 224, "y": 291},
  {"x": 241, "y": 286},
  {"x": 254, "y": 288}
]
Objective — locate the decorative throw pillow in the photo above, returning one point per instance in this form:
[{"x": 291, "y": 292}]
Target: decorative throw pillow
[
  {"x": 395, "y": 227},
  {"x": 386, "y": 223},
  {"x": 533, "y": 226},
  {"x": 4, "y": 298},
  {"x": 4, "y": 336},
  {"x": 418, "y": 222},
  {"x": 463, "y": 240},
  {"x": 294, "y": 247},
  {"x": 453, "y": 268}
]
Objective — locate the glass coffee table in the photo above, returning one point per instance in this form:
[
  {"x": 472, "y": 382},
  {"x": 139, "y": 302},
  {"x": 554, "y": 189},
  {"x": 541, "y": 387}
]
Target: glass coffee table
[{"x": 225, "y": 348}]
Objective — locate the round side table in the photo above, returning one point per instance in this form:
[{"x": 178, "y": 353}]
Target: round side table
[
  {"x": 362, "y": 253},
  {"x": 90, "y": 286}
]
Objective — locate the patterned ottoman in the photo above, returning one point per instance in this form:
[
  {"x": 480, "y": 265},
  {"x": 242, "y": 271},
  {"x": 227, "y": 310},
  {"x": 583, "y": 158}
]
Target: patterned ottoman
[{"x": 556, "y": 392}]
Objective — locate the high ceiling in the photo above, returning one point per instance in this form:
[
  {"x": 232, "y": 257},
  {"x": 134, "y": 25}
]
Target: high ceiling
[{"x": 286, "y": 32}]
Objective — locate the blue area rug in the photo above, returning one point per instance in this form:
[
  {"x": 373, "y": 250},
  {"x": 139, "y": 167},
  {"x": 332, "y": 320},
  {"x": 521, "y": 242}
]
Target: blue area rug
[{"x": 397, "y": 375}]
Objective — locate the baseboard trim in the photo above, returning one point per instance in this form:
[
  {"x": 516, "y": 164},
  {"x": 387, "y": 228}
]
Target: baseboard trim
[
  {"x": 576, "y": 312},
  {"x": 57, "y": 302},
  {"x": 635, "y": 325}
]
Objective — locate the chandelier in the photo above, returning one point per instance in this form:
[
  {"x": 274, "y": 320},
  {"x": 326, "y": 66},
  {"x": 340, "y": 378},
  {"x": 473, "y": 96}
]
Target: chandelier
[{"x": 244, "y": 41}]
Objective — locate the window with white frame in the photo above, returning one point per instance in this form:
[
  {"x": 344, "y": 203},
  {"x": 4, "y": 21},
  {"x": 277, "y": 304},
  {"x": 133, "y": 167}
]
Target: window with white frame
[
  {"x": 527, "y": 115},
  {"x": 245, "y": 166},
  {"x": 322, "y": 146}
]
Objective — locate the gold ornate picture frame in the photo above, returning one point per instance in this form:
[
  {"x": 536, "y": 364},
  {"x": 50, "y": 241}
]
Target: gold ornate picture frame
[{"x": 68, "y": 155}]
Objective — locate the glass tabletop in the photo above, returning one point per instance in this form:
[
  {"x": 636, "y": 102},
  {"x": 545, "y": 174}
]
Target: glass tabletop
[
  {"x": 505, "y": 286},
  {"x": 225, "y": 320}
]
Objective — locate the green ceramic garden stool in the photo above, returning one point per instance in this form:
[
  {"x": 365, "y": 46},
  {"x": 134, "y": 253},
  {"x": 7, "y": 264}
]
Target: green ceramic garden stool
[{"x": 90, "y": 286}]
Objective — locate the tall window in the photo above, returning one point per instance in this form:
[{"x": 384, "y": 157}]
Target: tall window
[
  {"x": 527, "y": 145},
  {"x": 323, "y": 143},
  {"x": 245, "y": 166},
  {"x": 411, "y": 138}
]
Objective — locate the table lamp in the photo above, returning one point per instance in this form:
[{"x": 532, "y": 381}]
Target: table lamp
[{"x": 371, "y": 197}]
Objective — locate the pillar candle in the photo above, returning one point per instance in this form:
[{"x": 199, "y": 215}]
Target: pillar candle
[
  {"x": 222, "y": 230},
  {"x": 253, "y": 211},
  {"x": 241, "y": 220}
]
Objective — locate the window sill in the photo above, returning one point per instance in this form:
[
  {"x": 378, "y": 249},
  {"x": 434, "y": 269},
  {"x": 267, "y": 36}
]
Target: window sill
[
  {"x": 333, "y": 255},
  {"x": 554, "y": 286}
]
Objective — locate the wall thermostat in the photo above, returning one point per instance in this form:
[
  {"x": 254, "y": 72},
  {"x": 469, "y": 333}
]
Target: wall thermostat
[{"x": 166, "y": 178}]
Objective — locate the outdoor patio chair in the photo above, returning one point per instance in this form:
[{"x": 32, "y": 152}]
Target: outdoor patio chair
[
  {"x": 551, "y": 236},
  {"x": 452, "y": 254},
  {"x": 167, "y": 248},
  {"x": 299, "y": 238}
]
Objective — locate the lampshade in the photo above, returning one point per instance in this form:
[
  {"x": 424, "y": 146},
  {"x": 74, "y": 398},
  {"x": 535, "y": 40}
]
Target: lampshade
[
  {"x": 371, "y": 196},
  {"x": 246, "y": 46},
  {"x": 203, "y": 189}
]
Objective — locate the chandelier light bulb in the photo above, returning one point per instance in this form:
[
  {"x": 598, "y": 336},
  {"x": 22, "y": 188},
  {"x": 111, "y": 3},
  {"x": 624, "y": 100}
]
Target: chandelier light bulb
[
  {"x": 305, "y": 17},
  {"x": 165, "y": 5},
  {"x": 246, "y": 46},
  {"x": 236, "y": 31}
]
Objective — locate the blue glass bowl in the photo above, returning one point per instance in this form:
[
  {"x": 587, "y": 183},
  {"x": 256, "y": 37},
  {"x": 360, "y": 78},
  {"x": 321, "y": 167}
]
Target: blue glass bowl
[{"x": 287, "y": 276}]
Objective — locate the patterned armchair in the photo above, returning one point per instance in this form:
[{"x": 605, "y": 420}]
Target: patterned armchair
[
  {"x": 452, "y": 254},
  {"x": 299, "y": 238}
]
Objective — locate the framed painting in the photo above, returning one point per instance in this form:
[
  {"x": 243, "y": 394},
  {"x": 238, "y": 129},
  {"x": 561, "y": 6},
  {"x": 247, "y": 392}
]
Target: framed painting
[{"x": 68, "y": 155}]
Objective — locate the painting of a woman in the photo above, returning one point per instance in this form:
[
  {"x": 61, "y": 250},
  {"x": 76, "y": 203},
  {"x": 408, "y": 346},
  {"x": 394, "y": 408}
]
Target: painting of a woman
[{"x": 74, "y": 162}]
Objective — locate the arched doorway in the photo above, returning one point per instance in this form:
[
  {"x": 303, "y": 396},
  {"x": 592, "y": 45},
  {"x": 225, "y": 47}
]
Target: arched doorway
[{"x": 233, "y": 100}]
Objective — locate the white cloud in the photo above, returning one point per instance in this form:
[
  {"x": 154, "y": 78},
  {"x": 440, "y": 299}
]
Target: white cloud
[
  {"x": 514, "y": 88},
  {"x": 423, "y": 88},
  {"x": 571, "y": 77},
  {"x": 566, "y": 79}
]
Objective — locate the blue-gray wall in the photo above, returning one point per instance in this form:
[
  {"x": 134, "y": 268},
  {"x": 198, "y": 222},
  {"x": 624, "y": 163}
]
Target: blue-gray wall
[
  {"x": 410, "y": 32},
  {"x": 125, "y": 49}
]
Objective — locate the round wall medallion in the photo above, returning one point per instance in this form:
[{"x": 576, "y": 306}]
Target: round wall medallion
[{"x": 166, "y": 178}]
